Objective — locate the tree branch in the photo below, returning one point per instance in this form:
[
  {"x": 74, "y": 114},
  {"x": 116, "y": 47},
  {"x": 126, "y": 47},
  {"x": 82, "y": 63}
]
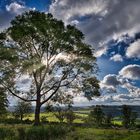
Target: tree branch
[
  {"x": 26, "y": 100},
  {"x": 51, "y": 95},
  {"x": 62, "y": 78}
]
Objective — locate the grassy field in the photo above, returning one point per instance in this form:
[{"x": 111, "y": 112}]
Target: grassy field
[
  {"x": 103, "y": 134},
  {"x": 80, "y": 117},
  {"x": 53, "y": 130},
  {"x": 64, "y": 132},
  {"x": 52, "y": 118}
]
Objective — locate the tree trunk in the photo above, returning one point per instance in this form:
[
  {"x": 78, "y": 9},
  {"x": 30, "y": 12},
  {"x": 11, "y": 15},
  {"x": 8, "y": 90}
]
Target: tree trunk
[
  {"x": 21, "y": 117},
  {"x": 37, "y": 113}
]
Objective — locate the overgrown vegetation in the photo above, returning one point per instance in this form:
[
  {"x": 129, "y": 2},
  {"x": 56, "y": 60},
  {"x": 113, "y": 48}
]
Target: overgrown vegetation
[
  {"x": 79, "y": 129},
  {"x": 65, "y": 132}
]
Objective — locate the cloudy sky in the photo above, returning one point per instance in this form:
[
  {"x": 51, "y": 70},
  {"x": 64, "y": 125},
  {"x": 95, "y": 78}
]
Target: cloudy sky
[{"x": 112, "y": 27}]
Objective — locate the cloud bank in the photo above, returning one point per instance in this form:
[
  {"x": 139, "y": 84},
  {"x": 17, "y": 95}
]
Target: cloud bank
[{"x": 100, "y": 20}]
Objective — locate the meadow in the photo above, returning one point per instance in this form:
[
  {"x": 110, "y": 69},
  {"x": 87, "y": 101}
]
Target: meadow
[
  {"x": 52, "y": 129},
  {"x": 64, "y": 132}
]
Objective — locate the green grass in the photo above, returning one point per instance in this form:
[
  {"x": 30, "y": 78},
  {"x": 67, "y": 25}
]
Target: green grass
[
  {"x": 64, "y": 132},
  {"x": 102, "y": 134},
  {"x": 117, "y": 122},
  {"x": 51, "y": 117},
  {"x": 81, "y": 115}
]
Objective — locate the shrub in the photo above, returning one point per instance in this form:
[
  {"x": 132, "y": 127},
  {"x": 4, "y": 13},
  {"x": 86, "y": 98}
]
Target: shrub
[
  {"x": 60, "y": 115},
  {"x": 21, "y": 133},
  {"x": 11, "y": 121},
  {"x": 6, "y": 133},
  {"x": 45, "y": 132},
  {"x": 37, "y": 133},
  {"x": 44, "y": 119},
  {"x": 96, "y": 116},
  {"x": 70, "y": 116},
  {"x": 27, "y": 121}
]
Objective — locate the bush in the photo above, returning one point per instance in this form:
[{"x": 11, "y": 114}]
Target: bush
[
  {"x": 44, "y": 119},
  {"x": 12, "y": 121},
  {"x": 70, "y": 116},
  {"x": 45, "y": 133},
  {"x": 37, "y": 133},
  {"x": 21, "y": 133},
  {"x": 6, "y": 133},
  {"x": 57, "y": 131},
  {"x": 27, "y": 121},
  {"x": 60, "y": 115}
]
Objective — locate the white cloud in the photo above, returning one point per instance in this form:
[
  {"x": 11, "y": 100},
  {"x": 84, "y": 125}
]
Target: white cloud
[
  {"x": 100, "y": 20},
  {"x": 130, "y": 72},
  {"x": 100, "y": 51},
  {"x": 117, "y": 57},
  {"x": 109, "y": 83},
  {"x": 67, "y": 9},
  {"x": 133, "y": 51},
  {"x": 10, "y": 12},
  {"x": 15, "y": 8}
]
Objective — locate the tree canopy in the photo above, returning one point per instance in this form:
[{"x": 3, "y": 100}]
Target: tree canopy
[{"x": 42, "y": 59}]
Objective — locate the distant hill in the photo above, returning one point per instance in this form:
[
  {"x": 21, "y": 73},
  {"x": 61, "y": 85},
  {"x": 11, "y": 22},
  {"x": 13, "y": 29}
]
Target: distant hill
[{"x": 114, "y": 110}]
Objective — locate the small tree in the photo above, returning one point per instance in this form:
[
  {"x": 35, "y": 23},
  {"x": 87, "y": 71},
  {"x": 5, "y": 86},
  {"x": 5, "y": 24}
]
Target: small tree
[
  {"x": 108, "y": 119},
  {"x": 133, "y": 118},
  {"x": 60, "y": 114},
  {"x": 126, "y": 116},
  {"x": 22, "y": 109},
  {"x": 97, "y": 115},
  {"x": 70, "y": 116}
]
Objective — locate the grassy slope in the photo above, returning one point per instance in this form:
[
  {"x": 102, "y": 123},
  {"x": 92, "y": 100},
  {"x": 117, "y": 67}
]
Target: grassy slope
[
  {"x": 84, "y": 133},
  {"x": 103, "y": 134}
]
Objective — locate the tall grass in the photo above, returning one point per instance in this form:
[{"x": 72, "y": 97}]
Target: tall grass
[
  {"x": 65, "y": 132},
  {"x": 6, "y": 134},
  {"x": 49, "y": 132}
]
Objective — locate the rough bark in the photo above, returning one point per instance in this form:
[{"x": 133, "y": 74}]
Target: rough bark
[{"x": 37, "y": 110}]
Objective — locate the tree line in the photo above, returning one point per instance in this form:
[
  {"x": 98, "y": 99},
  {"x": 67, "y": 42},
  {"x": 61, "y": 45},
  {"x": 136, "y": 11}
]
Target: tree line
[{"x": 99, "y": 118}]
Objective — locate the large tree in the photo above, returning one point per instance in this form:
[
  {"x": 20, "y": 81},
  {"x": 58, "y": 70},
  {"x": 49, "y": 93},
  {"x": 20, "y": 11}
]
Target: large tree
[
  {"x": 3, "y": 102},
  {"x": 42, "y": 59}
]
